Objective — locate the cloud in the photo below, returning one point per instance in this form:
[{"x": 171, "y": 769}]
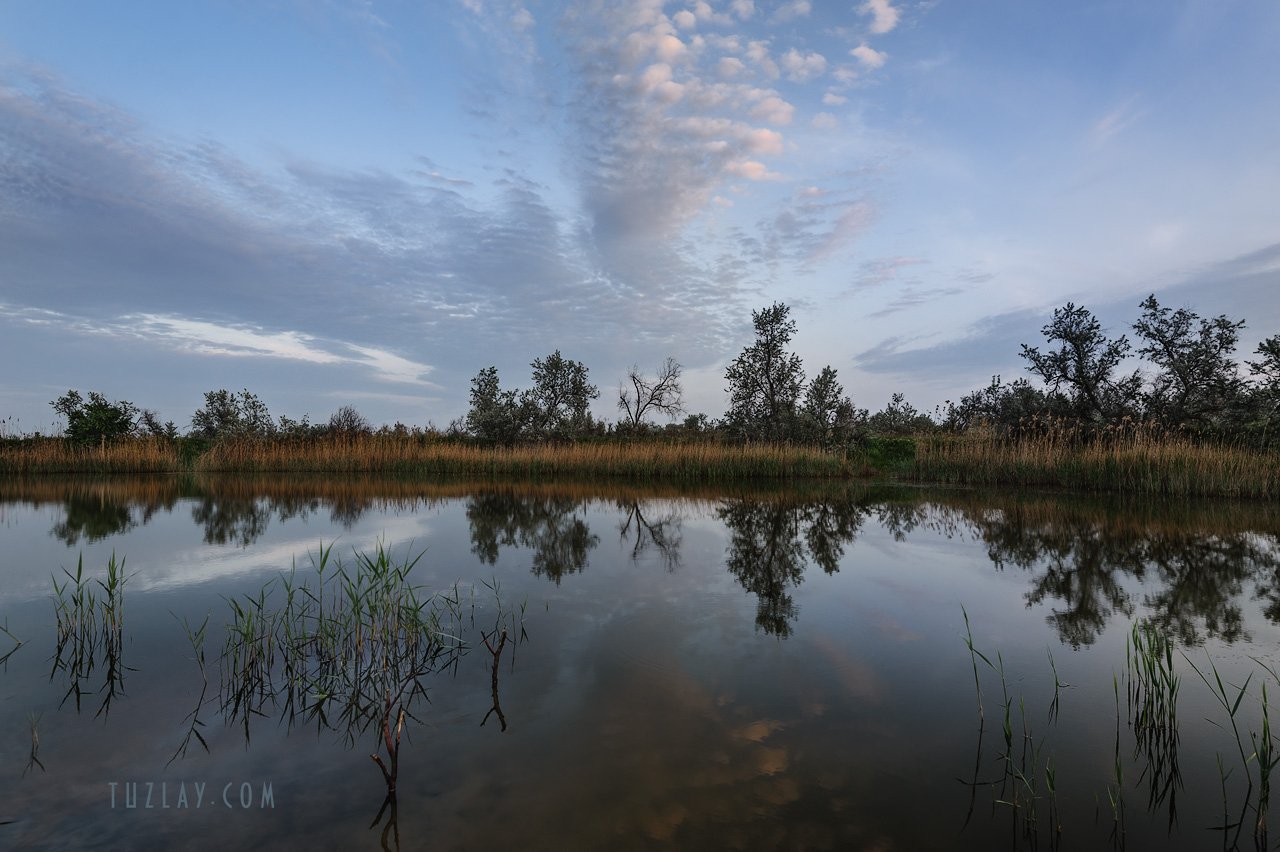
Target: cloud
[
  {"x": 869, "y": 56},
  {"x": 201, "y": 337},
  {"x": 793, "y": 9},
  {"x": 750, "y": 169},
  {"x": 803, "y": 66},
  {"x": 730, "y": 67},
  {"x": 1116, "y": 121},
  {"x": 884, "y": 17},
  {"x": 809, "y": 229},
  {"x": 522, "y": 19},
  {"x": 744, "y": 9},
  {"x": 874, "y": 273},
  {"x": 824, "y": 121},
  {"x": 833, "y": 99},
  {"x": 773, "y": 109},
  {"x": 912, "y": 297},
  {"x": 758, "y": 53}
]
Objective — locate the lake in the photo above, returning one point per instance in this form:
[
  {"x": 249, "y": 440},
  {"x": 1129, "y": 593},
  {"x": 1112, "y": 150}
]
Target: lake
[{"x": 604, "y": 666}]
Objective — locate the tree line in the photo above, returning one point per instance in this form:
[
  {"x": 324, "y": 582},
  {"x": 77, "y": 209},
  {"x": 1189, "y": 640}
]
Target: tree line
[{"x": 1192, "y": 385}]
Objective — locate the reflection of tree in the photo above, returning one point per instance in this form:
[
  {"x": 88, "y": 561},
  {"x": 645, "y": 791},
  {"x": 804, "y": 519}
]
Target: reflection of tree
[
  {"x": 549, "y": 526},
  {"x": 92, "y": 519},
  {"x": 1086, "y": 557},
  {"x": 661, "y": 532},
  {"x": 229, "y": 520},
  {"x": 771, "y": 542}
]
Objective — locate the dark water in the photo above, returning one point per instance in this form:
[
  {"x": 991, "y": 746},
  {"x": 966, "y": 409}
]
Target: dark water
[{"x": 706, "y": 670}]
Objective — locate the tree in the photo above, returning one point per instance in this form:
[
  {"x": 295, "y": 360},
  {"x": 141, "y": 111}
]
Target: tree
[
  {"x": 1083, "y": 365},
  {"x": 1198, "y": 379},
  {"x": 1262, "y": 409},
  {"x": 1002, "y": 406},
  {"x": 1267, "y": 370},
  {"x": 661, "y": 394},
  {"x": 347, "y": 421},
  {"x": 828, "y": 416},
  {"x": 149, "y": 423},
  {"x": 899, "y": 417},
  {"x": 765, "y": 380},
  {"x": 227, "y": 414},
  {"x": 560, "y": 397},
  {"x": 496, "y": 416},
  {"x": 95, "y": 420}
]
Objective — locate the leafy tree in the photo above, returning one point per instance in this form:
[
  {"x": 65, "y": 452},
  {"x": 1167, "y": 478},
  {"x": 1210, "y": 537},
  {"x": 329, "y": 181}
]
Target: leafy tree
[
  {"x": 1197, "y": 379},
  {"x": 1266, "y": 371},
  {"x": 95, "y": 420},
  {"x": 765, "y": 380},
  {"x": 149, "y": 423},
  {"x": 496, "y": 416},
  {"x": 827, "y": 415},
  {"x": 227, "y": 414},
  {"x": 1084, "y": 364},
  {"x": 899, "y": 417},
  {"x": 1262, "y": 404},
  {"x": 560, "y": 397},
  {"x": 661, "y": 394},
  {"x": 1002, "y": 406}
]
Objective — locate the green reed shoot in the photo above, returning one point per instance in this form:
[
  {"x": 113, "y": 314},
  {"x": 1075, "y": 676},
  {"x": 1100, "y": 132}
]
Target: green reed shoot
[
  {"x": 195, "y": 637},
  {"x": 1152, "y": 693},
  {"x": 90, "y": 630}
]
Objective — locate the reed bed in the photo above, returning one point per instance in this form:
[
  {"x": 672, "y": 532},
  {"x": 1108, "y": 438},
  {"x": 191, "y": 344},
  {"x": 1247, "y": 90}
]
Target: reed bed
[
  {"x": 26, "y": 456},
  {"x": 1140, "y": 463},
  {"x": 685, "y": 462},
  {"x": 1133, "y": 460}
]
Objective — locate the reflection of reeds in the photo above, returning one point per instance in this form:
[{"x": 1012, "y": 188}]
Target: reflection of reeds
[
  {"x": 17, "y": 643},
  {"x": 1265, "y": 755},
  {"x": 348, "y": 649},
  {"x": 333, "y": 650},
  {"x": 195, "y": 637},
  {"x": 1152, "y": 690},
  {"x": 1021, "y": 774},
  {"x": 90, "y": 630}
]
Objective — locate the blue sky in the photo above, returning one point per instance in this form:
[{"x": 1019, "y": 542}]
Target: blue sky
[{"x": 341, "y": 202}]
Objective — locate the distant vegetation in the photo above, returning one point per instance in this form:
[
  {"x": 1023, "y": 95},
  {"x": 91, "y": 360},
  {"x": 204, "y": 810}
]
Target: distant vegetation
[{"x": 1193, "y": 422}]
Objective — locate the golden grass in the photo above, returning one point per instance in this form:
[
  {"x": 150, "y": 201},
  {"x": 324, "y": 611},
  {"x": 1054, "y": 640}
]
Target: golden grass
[
  {"x": 1136, "y": 463},
  {"x": 685, "y": 462},
  {"x": 54, "y": 455}
]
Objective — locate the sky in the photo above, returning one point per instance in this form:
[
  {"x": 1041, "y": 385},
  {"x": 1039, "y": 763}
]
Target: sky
[{"x": 357, "y": 202}]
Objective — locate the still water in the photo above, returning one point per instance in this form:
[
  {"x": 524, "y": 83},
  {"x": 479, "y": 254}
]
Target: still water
[{"x": 734, "y": 669}]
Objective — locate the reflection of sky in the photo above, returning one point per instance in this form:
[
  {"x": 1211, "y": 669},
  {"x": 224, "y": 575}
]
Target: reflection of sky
[{"x": 645, "y": 708}]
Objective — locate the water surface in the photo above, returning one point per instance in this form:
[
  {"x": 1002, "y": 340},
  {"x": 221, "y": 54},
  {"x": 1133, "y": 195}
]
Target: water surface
[{"x": 693, "y": 669}]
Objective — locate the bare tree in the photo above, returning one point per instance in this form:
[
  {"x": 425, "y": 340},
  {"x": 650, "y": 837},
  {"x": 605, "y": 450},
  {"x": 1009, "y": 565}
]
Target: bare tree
[
  {"x": 661, "y": 394},
  {"x": 347, "y": 421}
]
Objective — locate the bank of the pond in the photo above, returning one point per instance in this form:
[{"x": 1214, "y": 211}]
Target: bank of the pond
[{"x": 1139, "y": 465}]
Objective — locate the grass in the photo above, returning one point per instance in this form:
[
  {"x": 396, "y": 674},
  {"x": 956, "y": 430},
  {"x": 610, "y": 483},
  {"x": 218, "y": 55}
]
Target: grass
[
  {"x": 90, "y": 631},
  {"x": 1151, "y": 687},
  {"x": 1152, "y": 693},
  {"x": 1132, "y": 460},
  {"x": 1135, "y": 462},
  {"x": 705, "y": 461}
]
